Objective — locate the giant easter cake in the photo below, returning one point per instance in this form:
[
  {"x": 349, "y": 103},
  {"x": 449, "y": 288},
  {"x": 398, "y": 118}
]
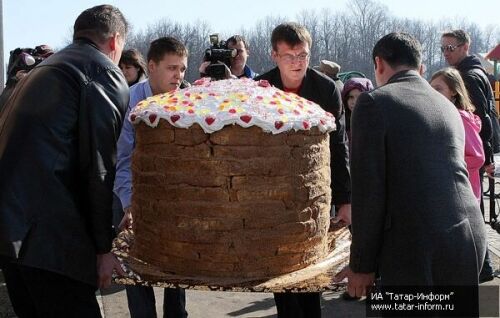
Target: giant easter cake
[{"x": 230, "y": 179}]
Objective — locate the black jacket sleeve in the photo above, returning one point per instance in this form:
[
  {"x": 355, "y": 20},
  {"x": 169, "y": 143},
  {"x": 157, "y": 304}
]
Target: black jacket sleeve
[
  {"x": 474, "y": 85},
  {"x": 102, "y": 109},
  {"x": 341, "y": 179}
]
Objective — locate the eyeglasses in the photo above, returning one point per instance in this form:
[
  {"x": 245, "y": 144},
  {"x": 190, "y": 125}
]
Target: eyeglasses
[
  {"x": 239, "y": 51},
  {"x": 289, "y": 58},
  {"x": 450, "y": 48}
]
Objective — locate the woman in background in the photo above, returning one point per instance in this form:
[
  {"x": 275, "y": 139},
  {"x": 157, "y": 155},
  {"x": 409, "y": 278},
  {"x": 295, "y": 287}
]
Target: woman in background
[
  {"x": 352, "y": 89},
  {"x": 133, "y": 66}
]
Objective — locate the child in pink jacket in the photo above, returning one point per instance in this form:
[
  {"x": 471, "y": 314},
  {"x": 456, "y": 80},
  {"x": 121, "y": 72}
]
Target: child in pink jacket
[{"x": 449, "y": 83}]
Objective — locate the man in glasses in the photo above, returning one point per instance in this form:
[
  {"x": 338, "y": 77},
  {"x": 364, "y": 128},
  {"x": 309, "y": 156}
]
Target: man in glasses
[
  {"x": 291, "y": 45},
  {"x": 455, "y": 47}
]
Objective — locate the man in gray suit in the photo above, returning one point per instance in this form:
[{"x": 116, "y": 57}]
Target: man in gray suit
[{"x": 414, "y": 216}]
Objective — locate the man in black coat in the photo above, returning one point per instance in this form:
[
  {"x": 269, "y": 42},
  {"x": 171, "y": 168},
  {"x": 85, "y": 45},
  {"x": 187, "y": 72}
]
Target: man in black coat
[
  {"x": 455, "y": 47},
  {"x": 415, "y": 219},
  {"x": 58, "y": 134},
  {"x": 291, "y": 44}
]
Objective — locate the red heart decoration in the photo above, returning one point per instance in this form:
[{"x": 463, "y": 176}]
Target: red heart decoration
[
  {"x": 322, "y": 121},
  {"x": 132, "y": 118},
  {"x": 278, "y": 124},
  {"x": 232, "y": 111},
  {"x": 191, "y": 111},
  {"x": 305, "y": 124},
  {"x": 152, "y": 118},
  {"x": 174, "y": 118},
  {"x": 246, "y": 118},
  {"x": 209, "y": 120}
]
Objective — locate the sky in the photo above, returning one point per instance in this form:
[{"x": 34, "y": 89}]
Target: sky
[{"x": 30, "y": 23}]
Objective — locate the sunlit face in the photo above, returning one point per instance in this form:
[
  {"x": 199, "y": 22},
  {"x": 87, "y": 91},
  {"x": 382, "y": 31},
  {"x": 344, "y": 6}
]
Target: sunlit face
[
  {"x": 292, "y": 61},
  {"x": 240, "y": 59},
  {"x": 454, "y": 52},
  {"x": 440, "y": 85},
  {"x": 352, "y": 97},
  {"x": 168, "y": 73},
  {"x": 130, "y": 72}
]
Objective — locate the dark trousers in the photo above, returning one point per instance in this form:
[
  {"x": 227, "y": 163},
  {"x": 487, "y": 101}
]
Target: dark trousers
[
  {"x": 142, "y": 303},
  {"x": 141, "y": 299},
  {"x": 37, "y": 293},
  {"x": 298, "y": 305}
]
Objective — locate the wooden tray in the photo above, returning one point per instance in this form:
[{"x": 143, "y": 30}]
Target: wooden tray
[{"x": 315, "y": 278}]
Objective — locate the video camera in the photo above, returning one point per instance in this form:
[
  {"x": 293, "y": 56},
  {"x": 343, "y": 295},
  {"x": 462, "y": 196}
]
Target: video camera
[{"x": 219, "y": 56}]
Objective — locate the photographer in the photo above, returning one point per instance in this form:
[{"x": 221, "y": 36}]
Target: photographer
[
  {"x": 21, "y": 61},
  {"x": 231, "y": 55}
]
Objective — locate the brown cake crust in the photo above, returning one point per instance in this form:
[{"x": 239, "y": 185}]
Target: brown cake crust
[{"x": 239, "y": 202}]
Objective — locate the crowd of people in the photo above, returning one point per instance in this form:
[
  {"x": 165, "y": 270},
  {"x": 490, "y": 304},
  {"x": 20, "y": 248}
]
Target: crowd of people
[{"x": 406, "y": 162}]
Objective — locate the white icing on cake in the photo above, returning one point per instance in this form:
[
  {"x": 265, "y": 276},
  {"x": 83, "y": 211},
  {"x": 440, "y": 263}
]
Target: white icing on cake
[{"x": 245, "y": 102}]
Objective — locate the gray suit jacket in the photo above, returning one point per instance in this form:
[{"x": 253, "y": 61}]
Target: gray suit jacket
[{"x": 414, "y": 216}]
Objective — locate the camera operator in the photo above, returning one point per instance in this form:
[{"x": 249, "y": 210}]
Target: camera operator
[
  {"x": 239, "y": 66},
  {"x": 21, "y": 61},
  {"x": 235, "y": 65}
]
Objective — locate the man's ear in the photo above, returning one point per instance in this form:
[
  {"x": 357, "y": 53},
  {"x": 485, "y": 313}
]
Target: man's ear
[
  {"x": 379, "y": 65},
  {"x": 274, "y": 56},
  {"x": 113, "y": 42},
  {"x": 466, "y": 47},
  {"x": 151, "y": 66}
]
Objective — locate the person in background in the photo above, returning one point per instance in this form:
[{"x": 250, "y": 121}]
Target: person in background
[
  {"x": 133, "y": 66},
  {"x": 238, "y": 67},
  {"x": 330, "y": 69},
  {"x": 291, "y": 47},
  {"x": 167, "y": 64},
  {"x": 21, "y": 61},
  {"x": 58, "y": 135},
  {"x": 350, "y": 93},
  {"x": 455, "y": 48},
  {"x": 449, "y": 83}
]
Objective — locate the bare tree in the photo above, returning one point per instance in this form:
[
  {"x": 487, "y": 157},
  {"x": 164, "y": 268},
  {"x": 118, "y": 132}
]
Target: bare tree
[{"x": 344, "y": 36}]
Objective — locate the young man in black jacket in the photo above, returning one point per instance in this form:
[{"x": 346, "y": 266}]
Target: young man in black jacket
[
  {"x": 291, "y": 44},
  {"x": 58, "y": 134},
  {"x": 455, "y": 47}
]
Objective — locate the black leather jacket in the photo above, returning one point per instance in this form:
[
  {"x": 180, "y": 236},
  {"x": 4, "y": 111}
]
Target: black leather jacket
[
  {"x": 481, "y": 96},
  {"x": 58, "y": 134}
]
